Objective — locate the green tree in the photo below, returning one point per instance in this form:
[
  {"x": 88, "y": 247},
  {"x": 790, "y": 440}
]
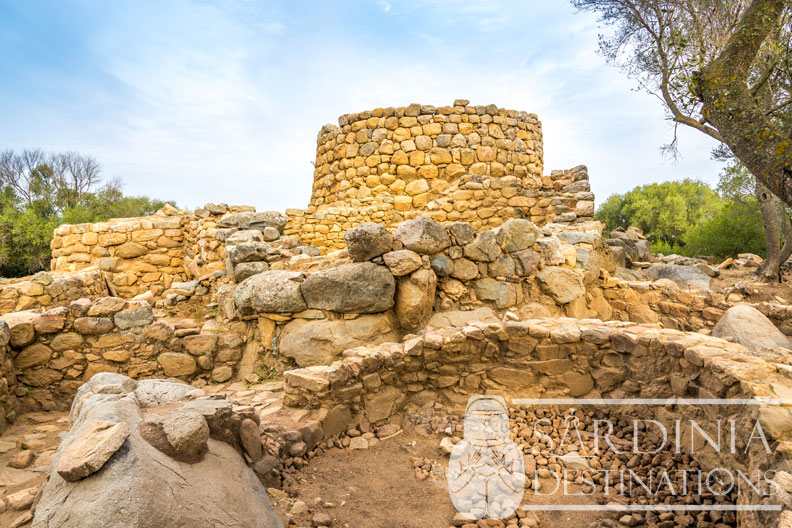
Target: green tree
[
  {"x": 665, "y": 211},
  {"x": 725, "y": 69},
  {"x": 736, "y": 228}
]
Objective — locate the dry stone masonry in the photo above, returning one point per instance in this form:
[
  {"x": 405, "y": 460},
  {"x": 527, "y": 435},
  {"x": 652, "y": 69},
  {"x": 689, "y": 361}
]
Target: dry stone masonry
[{"x": 435, "y": 261}]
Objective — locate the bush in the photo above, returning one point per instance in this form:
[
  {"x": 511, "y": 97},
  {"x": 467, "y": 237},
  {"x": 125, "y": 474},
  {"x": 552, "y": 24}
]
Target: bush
[{"x": 737, "y": 228}]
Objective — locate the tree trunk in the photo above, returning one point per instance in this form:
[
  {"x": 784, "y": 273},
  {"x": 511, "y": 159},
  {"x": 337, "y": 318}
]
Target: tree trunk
[
  {"x": 769, "y": 270},
  {"x": 722, "y": 85}
]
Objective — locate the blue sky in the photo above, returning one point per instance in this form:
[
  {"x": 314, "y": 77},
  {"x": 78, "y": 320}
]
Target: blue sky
[{"x": 217, "y": 101}]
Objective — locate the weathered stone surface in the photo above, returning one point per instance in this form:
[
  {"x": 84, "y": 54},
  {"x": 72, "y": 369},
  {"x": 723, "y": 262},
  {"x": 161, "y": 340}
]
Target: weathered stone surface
[
  {"x": 562, "y": 284},
  {"x": 134, "y": 316},
  {"x": 264, "y": 219},
  {"x": 35, "y": 354},
  {"x": 527, "y": 262},
  {"x": 382, "y": 404},
  {"x": 484, "y": 248},
  {"x": 684, "y": 276},
  {"x": 461, "y": 232},
  {"x": 128, "y": 490},
  {"x": 415, "y": 298},
  {"x": 367, "y": 240},
  {"x": 5, "y": 334},
  {"x": 588, "y": 264},
  {"x": 321, "y": 342},
  {"x": 442, "y": 265},
  {"x": 244, "y": 236},
  {"x": 250, "y": 439},
  {"x": 200, "y": 344},
  {"x": 222, "y": 373},
  {"x": 250, "y": 252},
  {"x": 464, "y": 270},
  {"x": 749, "y": 327},
  {"x": 244, "y": 270},
  {"x": 517, "y": 234},
  {"x": 422, "y": 235},
  {"x": 175, "y": 364},
  {"x": 92, "y": 449},
  {"x": 402, "y": 262},
  {"x": 51, "y": 321},
  {"x": 273, "y": 291},
  {"x": 105, "y": 306},
  {"x": 21, "y": 329},
  {"x": 502, "y": 293},
  {"x": 350, "y": 288},
  {"x": 187, "y": 432},
  {"x": 579, "y": 384},
  {"x": 93, "y": 325},
  {"x": 130, "y": 250}
]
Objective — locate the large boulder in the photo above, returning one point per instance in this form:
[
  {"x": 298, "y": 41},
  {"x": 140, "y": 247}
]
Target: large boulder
[
  {"x": 502, "y": 293},
  {"x": 272, "y": 291},
  {"x": 588, "y": 264},
  {"x": 415, "y": 295},
  {"x": 139, "y": 486},
  {"x": 362, "y": 287},
  {"x": 367, "y": 240},
  {"x": 684, "y": 276},
  {"x": 251, "y": 252},
  {"x": 517, "y": 234},
  {"x": 749, "y": 327},
  {"x": 485, "y": 247},
  {"x": 320, "y": 342},
  {"x": 562, "y": 284},
  {"x": 422, "y": 235}
]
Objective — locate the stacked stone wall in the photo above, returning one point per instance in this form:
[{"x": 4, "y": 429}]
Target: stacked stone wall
[
  {"x": 8, "y": 403},
  {"x": 50, "y": 354},
  {"x": 47, "y": 289},
  {"x": 479, "y": 164},
  {"x": 565, "y": 358},
  {"x": 139, "y": 254}
]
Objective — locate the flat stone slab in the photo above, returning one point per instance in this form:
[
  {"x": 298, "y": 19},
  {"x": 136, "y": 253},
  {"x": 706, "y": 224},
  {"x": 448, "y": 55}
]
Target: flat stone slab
[{"x": 92, "y": 449}]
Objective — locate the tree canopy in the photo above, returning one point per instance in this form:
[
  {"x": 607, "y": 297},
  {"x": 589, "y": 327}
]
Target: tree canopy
[
  {"x": 723, "y": 68},
  {"x": 690, "y": 218}
]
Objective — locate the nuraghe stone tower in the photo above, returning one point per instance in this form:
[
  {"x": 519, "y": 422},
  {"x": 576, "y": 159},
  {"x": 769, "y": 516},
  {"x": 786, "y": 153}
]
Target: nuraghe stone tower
[{"x": 479, "y": 164}]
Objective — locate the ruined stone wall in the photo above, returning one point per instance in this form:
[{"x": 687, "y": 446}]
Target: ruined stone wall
[
  {"x": 47, "y": 289},
  {"x": 565, "y": 358},
  {"x": 154, "y": 254},
  {"x": 140, "y": 254},
  {"x": 52, "y": 353},
  {"x": 480, "y": 164},
  {"x": 8, "y": 403}
]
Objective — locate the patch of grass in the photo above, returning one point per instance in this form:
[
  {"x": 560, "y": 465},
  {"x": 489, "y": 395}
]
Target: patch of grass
[{"x": 266, "y": 374}]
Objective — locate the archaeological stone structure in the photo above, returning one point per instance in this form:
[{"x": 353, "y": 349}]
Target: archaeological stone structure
[{"x": 435, "y": 261}]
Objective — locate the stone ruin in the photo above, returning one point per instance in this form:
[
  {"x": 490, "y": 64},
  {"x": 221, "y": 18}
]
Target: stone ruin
[{"x": 434, "y": 262}]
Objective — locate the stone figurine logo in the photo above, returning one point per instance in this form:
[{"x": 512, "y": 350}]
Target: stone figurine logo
[{"x": 486, "y": 471}]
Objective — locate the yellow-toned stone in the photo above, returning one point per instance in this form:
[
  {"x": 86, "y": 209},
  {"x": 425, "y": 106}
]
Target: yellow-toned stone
[
  {"x": 400, "y": 158},
  {"x": 416, "y": 187},
  {"x": 401, "y": 134},
  {"x": 439, "y": 156},
  {"x": 90, "y": 238},
  {"x": 402, "y": 203},
  {"x": 432, "y": 129},
  {"x": 421, "y": 200},
  {"x": 406, "y": 172},
  {"x": 112, "y": 239},
  {"x": 417, "y": 158},
  {"x": 428, "y": 171}
]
